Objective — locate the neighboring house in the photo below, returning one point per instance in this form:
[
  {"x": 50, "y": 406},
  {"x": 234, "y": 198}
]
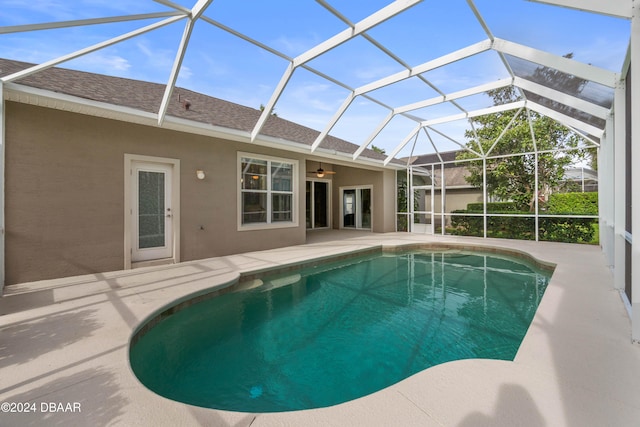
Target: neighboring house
[
  {"x": 94, "y": 184},
  {"x": 582, "y": 179}
]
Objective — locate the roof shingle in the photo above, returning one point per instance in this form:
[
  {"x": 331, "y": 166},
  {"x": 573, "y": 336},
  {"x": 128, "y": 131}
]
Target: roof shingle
[{"x": 147, "y": 97}]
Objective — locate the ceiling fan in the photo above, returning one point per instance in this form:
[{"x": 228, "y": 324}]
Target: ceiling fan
[{"x": 320, "y": 173}]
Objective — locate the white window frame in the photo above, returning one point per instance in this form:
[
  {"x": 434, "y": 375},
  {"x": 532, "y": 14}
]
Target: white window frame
[{"x": 269, "y": 192}]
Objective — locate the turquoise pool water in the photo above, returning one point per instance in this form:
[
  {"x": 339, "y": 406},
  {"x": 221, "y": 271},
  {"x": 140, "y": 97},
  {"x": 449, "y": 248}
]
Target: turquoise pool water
[{"x": 327, "y": 335}]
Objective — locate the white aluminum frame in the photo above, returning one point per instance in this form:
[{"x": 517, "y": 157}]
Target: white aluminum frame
[{"x": 612, "y": 137}]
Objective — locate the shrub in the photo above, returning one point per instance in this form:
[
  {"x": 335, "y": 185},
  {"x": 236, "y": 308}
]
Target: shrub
[
  {"x": 493, "y": 207},
  {"x": 573, "y": 204},
  {"x": 570, "y": 230}
]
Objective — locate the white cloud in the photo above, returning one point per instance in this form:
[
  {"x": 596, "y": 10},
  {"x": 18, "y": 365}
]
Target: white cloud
[
  {"x": 294, "y": 45},
  {"x": 185, "y": 73},
  {"x": 310, "y": 94},
  {"x": 104, "y": 64}
]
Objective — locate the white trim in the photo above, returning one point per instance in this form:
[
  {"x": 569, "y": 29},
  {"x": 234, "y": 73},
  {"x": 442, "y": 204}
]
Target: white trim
[
  {"x": 129, "y": 159},
  {"x": 295, "y": 178}
]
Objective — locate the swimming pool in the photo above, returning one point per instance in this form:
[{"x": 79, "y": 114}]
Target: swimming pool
[{"x": 329, "y": 334}]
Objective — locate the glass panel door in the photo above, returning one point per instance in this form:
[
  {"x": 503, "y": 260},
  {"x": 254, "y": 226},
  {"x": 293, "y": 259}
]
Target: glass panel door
[
  {"x": 365, "y": 207},
  {"x": 151, "y": 209},
  {"x": 320, "y": 204},
  {"x": 317, "y": 208},
  {"x": 308, "y": 206},
  {"x": 349, "y": 208},
  {"x": 356, "y": 208},
  {"x": 152, "y": 218}
]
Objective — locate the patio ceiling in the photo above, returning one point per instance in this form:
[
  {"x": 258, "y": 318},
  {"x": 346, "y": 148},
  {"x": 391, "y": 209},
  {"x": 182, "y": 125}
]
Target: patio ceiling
[{"x": 439, "y": 97}]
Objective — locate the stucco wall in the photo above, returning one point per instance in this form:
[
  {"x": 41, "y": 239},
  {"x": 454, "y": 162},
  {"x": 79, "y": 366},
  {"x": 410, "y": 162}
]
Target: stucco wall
[{"x": 65, "y": 193}]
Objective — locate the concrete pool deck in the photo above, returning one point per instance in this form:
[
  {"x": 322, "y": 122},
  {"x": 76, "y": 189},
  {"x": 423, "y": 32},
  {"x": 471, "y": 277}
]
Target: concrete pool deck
[{"x": 65, "y": 341}]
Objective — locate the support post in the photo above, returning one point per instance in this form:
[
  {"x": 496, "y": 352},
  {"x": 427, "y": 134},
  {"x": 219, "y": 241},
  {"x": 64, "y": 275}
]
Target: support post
[
  {"x": 410, "y": 200},
  {"x": 2, "y": 165},
  {"x": 484, "y": 195},
  {"x": 433, "y": 200},
  {"x": 620, "y": 189},
  {"x": 635, "y": 172},
  {"x": 442, "y": 196}
]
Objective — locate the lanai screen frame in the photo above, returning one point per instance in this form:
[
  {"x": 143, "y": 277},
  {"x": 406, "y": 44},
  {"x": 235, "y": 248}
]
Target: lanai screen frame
[
  {"x": 611, "y": 216},
  {"x": 431, "y": 171}
]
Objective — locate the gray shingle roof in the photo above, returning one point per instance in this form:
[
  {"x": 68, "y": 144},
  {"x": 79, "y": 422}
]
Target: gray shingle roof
[
  {"x": 147, "y": 96},
  {"x": 454, "y": 172}
]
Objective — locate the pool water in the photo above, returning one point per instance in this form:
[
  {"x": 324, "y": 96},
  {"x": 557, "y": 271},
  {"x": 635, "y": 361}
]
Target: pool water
[{"x": 327, "y": 335}]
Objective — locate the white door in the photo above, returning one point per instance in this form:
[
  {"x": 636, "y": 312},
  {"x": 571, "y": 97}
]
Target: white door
[{"x": 151, "y": 211}]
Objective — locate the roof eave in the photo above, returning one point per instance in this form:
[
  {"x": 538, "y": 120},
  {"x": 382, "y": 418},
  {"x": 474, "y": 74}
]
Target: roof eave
[{"x": 44, "y": 98}]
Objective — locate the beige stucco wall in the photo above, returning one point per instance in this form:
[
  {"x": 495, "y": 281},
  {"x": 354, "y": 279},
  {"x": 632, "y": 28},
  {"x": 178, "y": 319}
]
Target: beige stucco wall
[
  {"x": 456, "y": 199},
  {"x": 65, "y": 193}
]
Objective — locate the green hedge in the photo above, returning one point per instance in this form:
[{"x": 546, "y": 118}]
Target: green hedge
[
  {"x": 497, "y": 226},
  {"x": 572, "y": 204},
  {"x": 493, "y": 207},
  {"x": 570, "y": 230}
]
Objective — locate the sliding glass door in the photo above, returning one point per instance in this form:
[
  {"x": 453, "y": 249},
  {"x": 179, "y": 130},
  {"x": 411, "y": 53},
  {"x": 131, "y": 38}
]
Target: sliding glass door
[
  {"x": 317, "y": 197},
  {"x": 356, "y": 207}
]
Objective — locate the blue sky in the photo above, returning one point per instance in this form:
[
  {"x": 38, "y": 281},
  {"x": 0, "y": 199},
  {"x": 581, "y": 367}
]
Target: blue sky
[{"x": 222, "y": 65}]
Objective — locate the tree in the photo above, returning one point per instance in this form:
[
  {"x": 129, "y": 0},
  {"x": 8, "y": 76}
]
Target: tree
[
  {"x": 273, "y": 112},
  {"x": 378, "y": 149},
  {"x": 513, "y": 177}
]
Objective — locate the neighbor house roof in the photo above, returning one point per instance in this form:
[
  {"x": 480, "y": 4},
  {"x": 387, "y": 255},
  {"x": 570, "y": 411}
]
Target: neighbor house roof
[
  {"x": 146, "y": 96},
  {"x": 428, "y": 159},
  {"x": 454, "y": 173}
]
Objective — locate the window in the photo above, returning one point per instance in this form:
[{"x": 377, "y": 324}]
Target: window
[{"x": 267, "y": 192}]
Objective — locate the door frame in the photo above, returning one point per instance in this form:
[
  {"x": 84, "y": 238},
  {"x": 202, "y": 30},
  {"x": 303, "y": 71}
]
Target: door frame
[
  {"x": 129, "y": 160},
  {"x": 358, "y": 199},
  {"x": 329, "y": 210},
  {"x": 422, "y": 228}
]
